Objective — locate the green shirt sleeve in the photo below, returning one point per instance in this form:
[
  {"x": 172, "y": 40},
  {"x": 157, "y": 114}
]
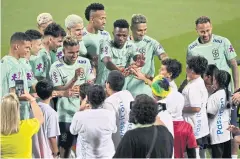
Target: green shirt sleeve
[
  {"x": 55, "y": 76},
  {"x": 40, "y": 67},
  {"x": 90, "y": 75},
  {"x": 105, "y": 50},
  {"x": 158, "y": 49},
  {"x": 229, "y": 50}
]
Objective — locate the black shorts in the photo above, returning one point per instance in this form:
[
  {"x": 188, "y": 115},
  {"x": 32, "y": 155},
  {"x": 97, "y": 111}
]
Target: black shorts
[
  {"x": 203, "y": 142},
  {"x": 234, "y": 119},
  {"x": 222, "y": 150},
  {"x": 66, "y": 139}
]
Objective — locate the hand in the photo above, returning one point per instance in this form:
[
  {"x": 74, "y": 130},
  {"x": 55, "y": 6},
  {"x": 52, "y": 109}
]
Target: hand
[
  {"x": 26, "y": 97},
  {"x": 54, "y": 94},
  {"x": 67, "y": 93},
  {"x": 75, "y": 90},
  {"x": 236, "y": 98},
  {"x": 78, "y": 73},
  {"x": 138, "y": 74},
  {"x": 233, "y": 129},
  {"x": 90, "y": 82}
]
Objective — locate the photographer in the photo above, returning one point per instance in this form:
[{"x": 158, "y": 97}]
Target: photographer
[{"x": 149, "y": 139}]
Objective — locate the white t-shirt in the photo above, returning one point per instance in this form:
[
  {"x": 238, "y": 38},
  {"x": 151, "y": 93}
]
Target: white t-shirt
[
  {"x": 94, "y": 128},
  {"x": 173, "y": 85},
  {"x": 218, "y": 125},
  {"x": 119, "y": 103},
  {"x": 196, "y": 95},
  {"x": 166, "y": 118}
]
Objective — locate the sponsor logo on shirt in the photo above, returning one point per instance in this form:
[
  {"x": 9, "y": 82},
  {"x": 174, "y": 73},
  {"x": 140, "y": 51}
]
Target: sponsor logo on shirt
[
  {"x": 219, "y": 118},
  {"x": 59, "y": 65},
  {"x": 215, "y": 54},
  {"x": 54, "y": 77},
  {"x": 147, "y": 41},
  {"x": 29, "y": 75},
  {"x": 84, "y": 33},
  {"x": 39, "y": 67},
  {"x": 82, "y": 61},
  {"x": 103, "y": 33},
  {"x": 142, "y": 50},
  {"x": 59, "y": 55},
  {"x": 128, "y": 46},
  {"x": 16, "y": 76},
  {"x": 192, "y": 46},
  {"x": 217, "y": 41},
  {"x": 231, "y": 49}
]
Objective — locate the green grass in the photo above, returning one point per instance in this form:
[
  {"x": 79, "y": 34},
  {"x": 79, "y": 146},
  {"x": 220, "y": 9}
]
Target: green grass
[{"x": 170, "y": 22}]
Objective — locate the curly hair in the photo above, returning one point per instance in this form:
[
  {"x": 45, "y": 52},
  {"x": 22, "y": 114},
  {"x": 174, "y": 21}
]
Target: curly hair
[
  {"x": 210, "y": 70},
  {"x": 33, "y": 34},
  {"x": 173, "y": 66},
  {"x": 144, "y": 110},
  {"x": 116, "y": 80},
  {"x": 44, "y": 89},
  {"x": 198, "y": 64},
  {"x": 96, "y": 95},
  {"x": 70, "y": 41},
  {"x": 54, "y": 30},
  {"x": 121, "y": 23},
  {"x": 93, "y": 7}
]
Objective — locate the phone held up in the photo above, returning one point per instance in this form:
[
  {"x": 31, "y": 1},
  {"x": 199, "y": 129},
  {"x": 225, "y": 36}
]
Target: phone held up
[{"x": 19, "y": 87}]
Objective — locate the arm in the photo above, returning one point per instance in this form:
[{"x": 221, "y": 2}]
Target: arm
[
  {"x": 191, "y": 109},
  {"x": 235, "y": 71},
  {"x": 37, "y": 112},
  {"x": 53, "y": 145},
  {"x": 162, "y": 56},
  {"x": 108, "y": 63}
]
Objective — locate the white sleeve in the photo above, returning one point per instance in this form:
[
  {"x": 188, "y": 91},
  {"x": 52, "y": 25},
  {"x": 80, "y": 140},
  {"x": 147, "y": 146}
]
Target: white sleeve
[
  {"x": 212, "y": 105},
  {"x": 76, "y": 124}
]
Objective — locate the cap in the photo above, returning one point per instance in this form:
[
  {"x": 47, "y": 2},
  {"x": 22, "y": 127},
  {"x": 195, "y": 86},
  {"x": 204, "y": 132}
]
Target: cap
[{"x": 44, "y": 18}]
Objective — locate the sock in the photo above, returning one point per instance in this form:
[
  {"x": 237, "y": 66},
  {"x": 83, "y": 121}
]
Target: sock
[
  {"x": 202, "y": 153},
  {"x": 234, "y": 156}
]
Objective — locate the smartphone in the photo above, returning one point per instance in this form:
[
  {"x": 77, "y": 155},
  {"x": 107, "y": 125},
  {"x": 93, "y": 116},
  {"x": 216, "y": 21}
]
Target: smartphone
[{"x": 19, "y": 87}]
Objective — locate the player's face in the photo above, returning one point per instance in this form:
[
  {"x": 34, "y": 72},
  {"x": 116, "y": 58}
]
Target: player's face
[
  {"x": 163, "y": 71},
  {"x": 207, "y": 79},
  {"x": 56, "y": 42},
  {"x": 204, "y": 31},
  {"x": 99, "y": 19},
  {"x": 23, "y": 49},
  {"x": 77, "y": 31},
  {"x": 71, "y": 54},
  {"x": 120, "y": 36},
  {"x": 138, "y": 31},
  {"x": 36, "y": 46}
]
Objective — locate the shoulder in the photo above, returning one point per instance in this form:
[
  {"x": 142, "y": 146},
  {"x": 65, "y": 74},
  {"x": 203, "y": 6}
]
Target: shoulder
[
  {"x": 29, "y": 123},
  {"x": 219, "y": 39},
  {"x": 193, "y": 44},
  {"x": 148, "y": 39},
  {"x": 104, "y": 33},
  {"x": 57, "y": 64}
]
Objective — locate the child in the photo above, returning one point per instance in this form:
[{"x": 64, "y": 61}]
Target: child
[
  {"x": 45, "y": 141},
  {"x": 218, "y": 109}
]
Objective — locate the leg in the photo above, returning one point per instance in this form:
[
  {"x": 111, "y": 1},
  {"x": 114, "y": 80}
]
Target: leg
[
  {"x": 217, "y": 150},
  {"x": 227, "y": 149}
]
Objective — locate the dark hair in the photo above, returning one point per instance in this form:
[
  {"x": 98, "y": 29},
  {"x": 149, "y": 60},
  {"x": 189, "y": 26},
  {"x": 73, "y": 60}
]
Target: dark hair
[
  {"x": 116, "y": 80},
  {"x": 198, "y": 64},
  {"x": 173, "y": 66},
  {"x": 121, "y": 23},
  {"x": 84, "y": 89},
  {"x": 144, "y": 110},
  {"x": 54, "y": 30},
  {"x": 33, "y": 34},
  {"x": 210, "y": 70},
  {"x": 96, "y": 95},
  {"x": 19, "y": 37},
  {"x": 44, "y": 89},
  {"x": 202, "y": 19},
  {"x": 93, "y": 7},
  {"x": 223, "y": 79}
]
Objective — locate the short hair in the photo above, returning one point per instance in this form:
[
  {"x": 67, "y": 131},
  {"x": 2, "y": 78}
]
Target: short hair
[
  {"x": 198, "y": 64},
  {"x": 93, "y": 8},
  {"x": 10, "y": 114},
  {"x": 116, "y": 80},
  {"x": 70, "y": 41},
  {"x": 19, "y": 37},
  {"x": 96, "y": 96},
  {"x": 144, "y": 110},
  {"x": 138, "y": 19},
  {"x": 173, "y": 66},
  {"x": 210, "y": 70},
  {"x": 54, "y": 30},
  {"x": 73, "y": 20},
  {"x": 84, "y": 89},
  {"x": 33, "y": 34},
  {"x": 202, "y": 19},
  {"x": 44, "y": 89},
  {"x": 121, "y": 23},
  {"x": 44, "y": 18}
]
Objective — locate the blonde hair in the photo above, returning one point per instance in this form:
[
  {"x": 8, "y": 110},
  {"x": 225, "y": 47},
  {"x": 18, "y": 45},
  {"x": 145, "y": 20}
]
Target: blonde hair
[
  {"x": 70, "y": 41},
  {"x": 138, "y": 19},
  {"x": 73, "y": 20},
  {"x": 10, "y": 114}
]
